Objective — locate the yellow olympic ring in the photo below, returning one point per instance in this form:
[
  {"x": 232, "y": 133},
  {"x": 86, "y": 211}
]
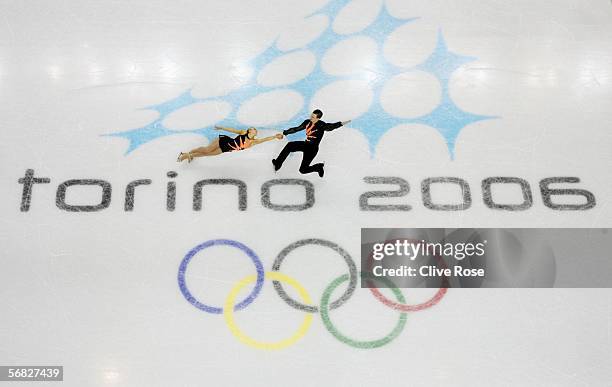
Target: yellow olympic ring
[{"x": 228, "y": 312}]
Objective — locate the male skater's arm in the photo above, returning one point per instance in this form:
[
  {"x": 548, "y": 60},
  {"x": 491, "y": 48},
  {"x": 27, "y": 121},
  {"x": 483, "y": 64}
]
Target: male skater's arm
[
  {"x": 296, "y": 129},
  {"x": 335, "y": 125}
]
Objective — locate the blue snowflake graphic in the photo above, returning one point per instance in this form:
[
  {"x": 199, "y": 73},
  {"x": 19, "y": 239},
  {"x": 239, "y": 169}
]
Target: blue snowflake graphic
[{"x": 447, "y": 118}]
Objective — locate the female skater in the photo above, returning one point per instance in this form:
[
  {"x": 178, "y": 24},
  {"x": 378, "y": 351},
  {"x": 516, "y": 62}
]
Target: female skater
[{"x": 244, "y": 140}]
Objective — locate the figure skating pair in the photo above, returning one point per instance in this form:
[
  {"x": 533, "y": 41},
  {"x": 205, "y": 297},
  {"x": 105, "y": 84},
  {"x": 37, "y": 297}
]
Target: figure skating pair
[{"x": 315, "y": 129}]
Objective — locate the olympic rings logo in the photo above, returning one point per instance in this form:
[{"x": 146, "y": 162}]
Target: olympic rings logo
[{"x": 305, "y": 304}]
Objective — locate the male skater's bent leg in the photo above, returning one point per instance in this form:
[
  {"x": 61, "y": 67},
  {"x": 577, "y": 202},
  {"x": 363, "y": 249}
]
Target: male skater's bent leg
[{"x": 309, "y": 155}]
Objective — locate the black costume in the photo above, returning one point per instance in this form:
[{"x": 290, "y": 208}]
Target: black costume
[
  {"x": 228, "y": 144},
  {"x": 309, "y": 147}
]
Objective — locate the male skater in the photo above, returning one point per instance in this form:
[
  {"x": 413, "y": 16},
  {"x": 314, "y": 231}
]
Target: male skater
[{"x": 315, "y": 129}]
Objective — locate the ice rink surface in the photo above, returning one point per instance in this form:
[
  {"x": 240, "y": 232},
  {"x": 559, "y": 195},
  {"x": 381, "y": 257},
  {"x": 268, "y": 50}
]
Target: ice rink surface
[{"x": 113, "y": 91}]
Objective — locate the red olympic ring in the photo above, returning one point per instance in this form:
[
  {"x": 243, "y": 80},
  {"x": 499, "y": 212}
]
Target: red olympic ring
[{"x": 405, "y": 307}]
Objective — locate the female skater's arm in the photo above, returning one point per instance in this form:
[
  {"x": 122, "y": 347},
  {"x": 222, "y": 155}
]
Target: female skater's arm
[
  {"x": 232, "y": 130},
  {"x": 260, "y": 140}
]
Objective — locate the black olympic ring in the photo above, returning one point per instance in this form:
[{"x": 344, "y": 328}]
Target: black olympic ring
[{"x": 320, "y": 242}]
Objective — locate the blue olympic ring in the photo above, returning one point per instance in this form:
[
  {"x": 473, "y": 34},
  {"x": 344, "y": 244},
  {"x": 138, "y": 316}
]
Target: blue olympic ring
[{"x": 216, "y": 242}]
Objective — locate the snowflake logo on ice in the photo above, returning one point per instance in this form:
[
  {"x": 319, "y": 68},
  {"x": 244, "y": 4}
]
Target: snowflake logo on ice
[{"x": 447, "y": 118}]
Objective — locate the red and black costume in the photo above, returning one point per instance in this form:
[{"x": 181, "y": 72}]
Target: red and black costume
[
  {"x": 309, "y": 147},
  {"x": 228, "y": 144}
]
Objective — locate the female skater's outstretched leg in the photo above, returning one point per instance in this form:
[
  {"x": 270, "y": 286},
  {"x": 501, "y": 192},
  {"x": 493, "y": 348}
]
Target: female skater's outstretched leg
[
  {"x": 199, "y": 152},
  {"x": 211, "y": 149}
]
